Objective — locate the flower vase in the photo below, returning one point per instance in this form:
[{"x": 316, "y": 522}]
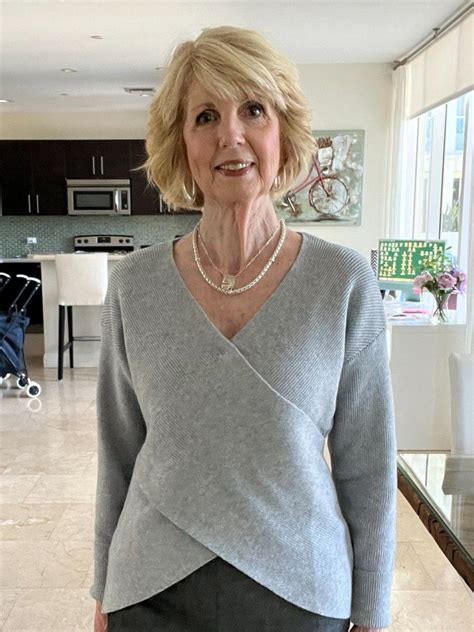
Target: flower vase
[{"x": 440, "y": 314}]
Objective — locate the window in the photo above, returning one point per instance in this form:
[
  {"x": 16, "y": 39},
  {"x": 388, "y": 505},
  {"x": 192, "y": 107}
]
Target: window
[{"x": 438, "y": 179}]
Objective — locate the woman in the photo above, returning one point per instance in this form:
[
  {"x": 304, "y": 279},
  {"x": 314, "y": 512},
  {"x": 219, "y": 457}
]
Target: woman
[{"x": 227, "y": 359}]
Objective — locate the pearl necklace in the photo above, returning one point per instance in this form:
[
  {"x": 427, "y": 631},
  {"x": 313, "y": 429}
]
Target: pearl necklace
[{"x": 228, "y": 280}]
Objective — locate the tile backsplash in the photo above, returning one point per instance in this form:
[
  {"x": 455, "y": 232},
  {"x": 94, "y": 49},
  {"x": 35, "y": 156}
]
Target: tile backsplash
[{"x": 55, "y": 234}]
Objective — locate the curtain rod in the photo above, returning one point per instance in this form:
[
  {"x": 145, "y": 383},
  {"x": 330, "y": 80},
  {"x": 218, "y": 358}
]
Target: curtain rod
[{"x": 437, "y": 31}]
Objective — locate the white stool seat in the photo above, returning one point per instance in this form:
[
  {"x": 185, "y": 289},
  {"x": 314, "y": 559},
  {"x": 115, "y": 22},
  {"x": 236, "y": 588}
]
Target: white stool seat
[{"x": 81, "y": 279}]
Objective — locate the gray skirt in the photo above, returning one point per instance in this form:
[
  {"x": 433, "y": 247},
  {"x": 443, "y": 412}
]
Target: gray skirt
[{"x": 217, "y": 597}]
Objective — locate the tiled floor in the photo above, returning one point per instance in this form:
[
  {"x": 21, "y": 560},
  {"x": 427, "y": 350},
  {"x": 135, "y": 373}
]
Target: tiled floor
[{"x": 47, "y": 477}]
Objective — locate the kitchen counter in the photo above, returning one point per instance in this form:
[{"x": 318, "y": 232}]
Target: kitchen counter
[{"x": 49, "y": 257}]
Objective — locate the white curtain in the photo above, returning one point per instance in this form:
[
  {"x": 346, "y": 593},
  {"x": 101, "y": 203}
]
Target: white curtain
[
  {"x": 469, "y": 208},
  {"x": 395, "y": 217},
  {"x": 444, "y": 70}
]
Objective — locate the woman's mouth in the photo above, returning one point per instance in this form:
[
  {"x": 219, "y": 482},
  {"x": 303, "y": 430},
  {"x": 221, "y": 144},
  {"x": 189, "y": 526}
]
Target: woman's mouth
[{"x": 235, "y": 168}]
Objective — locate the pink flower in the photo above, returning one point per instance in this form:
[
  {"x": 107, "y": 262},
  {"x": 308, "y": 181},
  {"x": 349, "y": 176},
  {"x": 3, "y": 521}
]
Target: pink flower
[
  {"x": 446, "y": 281},
  {"x": 422, "y": 279},
  {"x": 460, "y": 280}
]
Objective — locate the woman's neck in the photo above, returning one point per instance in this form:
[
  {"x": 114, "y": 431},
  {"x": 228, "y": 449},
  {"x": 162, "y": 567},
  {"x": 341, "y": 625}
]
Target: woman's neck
[{"x": 235, "y": 233}]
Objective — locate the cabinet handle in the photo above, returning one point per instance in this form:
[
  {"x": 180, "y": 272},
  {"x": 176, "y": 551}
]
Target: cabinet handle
[
  {"x": 37, "y": 204},
  {"x": 93, "y": 165},
  {"x": 102, "y": 165},
  {"x": 29, "y": 203}
]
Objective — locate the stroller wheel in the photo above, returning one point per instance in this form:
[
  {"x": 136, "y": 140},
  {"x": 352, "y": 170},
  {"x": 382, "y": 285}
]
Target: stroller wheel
[
  {"x": 33, "y": 390},
  {"x": 22, "y": 382}
]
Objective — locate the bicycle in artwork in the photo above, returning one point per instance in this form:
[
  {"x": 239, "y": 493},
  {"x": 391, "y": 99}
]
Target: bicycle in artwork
[{"x": 327, "y": 194}]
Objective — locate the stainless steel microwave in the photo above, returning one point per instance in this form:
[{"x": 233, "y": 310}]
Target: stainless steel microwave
[{"x": 98, "y": 197}]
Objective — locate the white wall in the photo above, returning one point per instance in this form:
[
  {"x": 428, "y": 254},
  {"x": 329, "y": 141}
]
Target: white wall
[
  {"x": 72, "y": 125},
  {"x": 342, "y": 96},
  {"x": 355, "y": 96}
]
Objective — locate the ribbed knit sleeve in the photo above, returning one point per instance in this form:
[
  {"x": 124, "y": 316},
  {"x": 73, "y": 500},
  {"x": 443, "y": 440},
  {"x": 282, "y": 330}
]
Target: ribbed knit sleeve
[
  {"x": 121, "y": 431},
  {"x": 363, "y": 454}
]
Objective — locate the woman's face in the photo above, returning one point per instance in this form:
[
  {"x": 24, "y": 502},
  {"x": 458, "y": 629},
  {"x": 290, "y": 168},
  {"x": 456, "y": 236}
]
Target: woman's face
[{"x": 233, "y": 148}]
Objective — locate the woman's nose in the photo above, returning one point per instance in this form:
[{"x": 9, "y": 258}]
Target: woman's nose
[{"x": 231, "y": 132}]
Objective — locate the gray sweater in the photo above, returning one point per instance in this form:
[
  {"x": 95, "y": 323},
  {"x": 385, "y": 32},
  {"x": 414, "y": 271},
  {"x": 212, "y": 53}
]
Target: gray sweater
[{"x": 214, "y": 447}]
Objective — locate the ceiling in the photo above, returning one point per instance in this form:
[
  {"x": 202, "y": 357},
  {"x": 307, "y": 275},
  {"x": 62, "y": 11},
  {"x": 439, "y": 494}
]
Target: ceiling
[{"x": 39, "y": 38}]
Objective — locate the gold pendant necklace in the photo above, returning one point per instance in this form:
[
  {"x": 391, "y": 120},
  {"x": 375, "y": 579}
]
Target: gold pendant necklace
[{"x": 228, "y": 282}]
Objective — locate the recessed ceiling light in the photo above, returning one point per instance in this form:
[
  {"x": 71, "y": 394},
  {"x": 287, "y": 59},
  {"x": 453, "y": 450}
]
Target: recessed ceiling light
[
  {"x": 140, "y": 91},
  {"x": 64, "y": 94},
  {"x": 96, "y": 37},
  {"x": 68, "y": 70},
  {"x": 7, "y": 101}
]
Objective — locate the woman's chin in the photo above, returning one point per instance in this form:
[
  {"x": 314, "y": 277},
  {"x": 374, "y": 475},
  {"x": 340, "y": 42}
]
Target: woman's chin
[{"x": 236, "y": 194}]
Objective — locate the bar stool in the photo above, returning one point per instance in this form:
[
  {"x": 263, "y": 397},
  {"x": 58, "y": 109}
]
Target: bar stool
[{"x": 81, "y": 280}]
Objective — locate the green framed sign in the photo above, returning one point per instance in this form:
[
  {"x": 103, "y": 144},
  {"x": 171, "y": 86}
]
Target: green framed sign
[{"x": 401, "y": 259}]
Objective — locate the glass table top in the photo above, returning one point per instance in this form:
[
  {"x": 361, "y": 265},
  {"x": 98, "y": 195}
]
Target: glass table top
[{"x": 446, "y": 484}]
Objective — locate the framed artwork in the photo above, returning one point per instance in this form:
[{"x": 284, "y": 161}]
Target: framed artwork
[{"x": 331, "y": 192}]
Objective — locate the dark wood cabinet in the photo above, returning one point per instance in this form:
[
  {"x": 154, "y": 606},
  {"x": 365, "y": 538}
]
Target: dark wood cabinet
[
  {"x": 33, "y": 177},
  {"x": 114, "y": 158},
  {"x": 16, "y": 177},
  {"x": 146, "y": 200},
  {"x": 81, "y": 159},
  {"x": 33, "y": 173},
  {"x": 89, "y": 159},
  {"x": 48, "y": 166}
]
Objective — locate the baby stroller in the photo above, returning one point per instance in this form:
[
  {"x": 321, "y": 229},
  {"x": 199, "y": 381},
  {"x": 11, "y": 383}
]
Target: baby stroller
[{"x": 13, "y": 324}]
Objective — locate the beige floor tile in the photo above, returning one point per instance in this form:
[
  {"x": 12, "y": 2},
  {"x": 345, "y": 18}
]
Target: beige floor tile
[
  {"x": 432, "y": 611},
  {"x": 80, "y": 441},
  {"x": 75, "y": 523},
  {"x": 443, "y": 576},
  {"x": 52, "y": 610},
  {"x": 56, "y": 461},
  {"x": 29, "y": 522},
  {"x": 52, "y": 564},
  {"x": 410, "y": 528},
  {"x": 37, "y": 438},
  {"x": 8, "y": 597},
  {"x": 410, "y": 574},
  {"x": 14, "y": 489},
  {"x": 51, "y": 488}
]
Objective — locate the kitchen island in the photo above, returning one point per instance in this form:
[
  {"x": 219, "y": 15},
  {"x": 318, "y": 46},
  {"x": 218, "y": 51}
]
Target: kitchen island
[{"x": 86, "y": 319}]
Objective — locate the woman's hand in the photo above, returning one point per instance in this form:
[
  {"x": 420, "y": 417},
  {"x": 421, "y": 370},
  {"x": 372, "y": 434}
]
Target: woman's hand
[{"x": 100, "y": 619}]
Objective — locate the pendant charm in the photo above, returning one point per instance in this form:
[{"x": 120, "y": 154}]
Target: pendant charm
[{"x": 228, "y": 282}]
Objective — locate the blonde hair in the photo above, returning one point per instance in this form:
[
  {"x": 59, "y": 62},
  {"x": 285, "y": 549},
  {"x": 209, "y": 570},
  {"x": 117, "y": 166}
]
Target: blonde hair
[{"x": 232, "y": 63}]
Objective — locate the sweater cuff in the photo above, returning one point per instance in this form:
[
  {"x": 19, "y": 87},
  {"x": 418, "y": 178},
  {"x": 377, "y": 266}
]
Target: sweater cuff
[
  {"x": 100, "y": 570},
  {"x": 371, "y": 599}
]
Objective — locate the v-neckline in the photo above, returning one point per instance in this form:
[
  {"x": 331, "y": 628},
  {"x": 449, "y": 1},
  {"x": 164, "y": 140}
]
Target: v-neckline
[{"x": 279, "y": 291}]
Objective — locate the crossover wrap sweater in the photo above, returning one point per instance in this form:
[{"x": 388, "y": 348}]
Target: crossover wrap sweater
[{"x": 214, "y": 447}]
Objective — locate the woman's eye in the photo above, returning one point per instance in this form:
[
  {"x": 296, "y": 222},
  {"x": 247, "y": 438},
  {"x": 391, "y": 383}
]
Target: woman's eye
[
  {"x": 204, "y": 117},
  {"x": 255, "y": 109}
]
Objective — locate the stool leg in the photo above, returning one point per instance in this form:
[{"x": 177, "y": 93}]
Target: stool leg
[
  {"x": 71, "y": 339},
  {"x": 62, "y": 311}
]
